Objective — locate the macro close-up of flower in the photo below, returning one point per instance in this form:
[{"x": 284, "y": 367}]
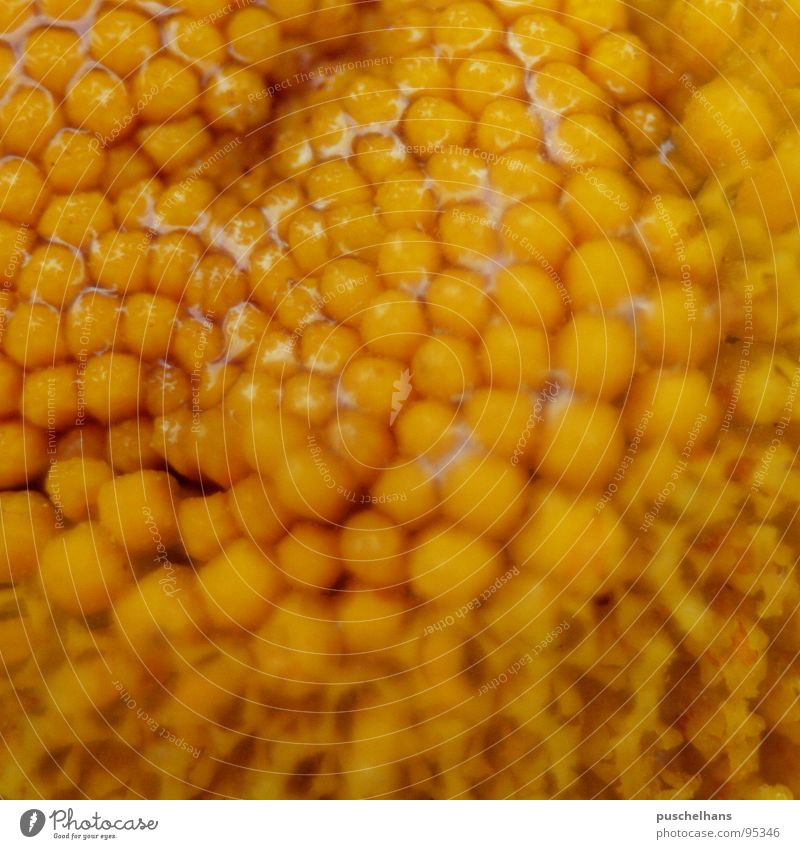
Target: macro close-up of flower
[{"x": 397, "y": 400}]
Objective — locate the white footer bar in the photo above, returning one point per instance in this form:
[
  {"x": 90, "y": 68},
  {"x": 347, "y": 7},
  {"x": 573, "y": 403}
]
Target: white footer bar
[{"x": 401, "y": 825}]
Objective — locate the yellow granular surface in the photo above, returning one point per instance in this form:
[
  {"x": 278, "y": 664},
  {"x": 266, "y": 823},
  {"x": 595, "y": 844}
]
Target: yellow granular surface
[{"x": 397, "y": 399}]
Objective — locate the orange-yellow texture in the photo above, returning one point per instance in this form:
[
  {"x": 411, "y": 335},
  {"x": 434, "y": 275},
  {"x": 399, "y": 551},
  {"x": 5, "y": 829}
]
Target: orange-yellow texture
[{"x": 397, "y": 399}]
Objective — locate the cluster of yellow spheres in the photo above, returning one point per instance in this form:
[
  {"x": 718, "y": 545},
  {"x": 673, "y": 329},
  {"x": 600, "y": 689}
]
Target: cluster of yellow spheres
[{"x": 397, "y": 398}]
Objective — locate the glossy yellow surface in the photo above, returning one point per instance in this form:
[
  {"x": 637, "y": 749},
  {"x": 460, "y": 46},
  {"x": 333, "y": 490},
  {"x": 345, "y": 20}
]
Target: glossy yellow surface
[{"x": 397, "y": 398}]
